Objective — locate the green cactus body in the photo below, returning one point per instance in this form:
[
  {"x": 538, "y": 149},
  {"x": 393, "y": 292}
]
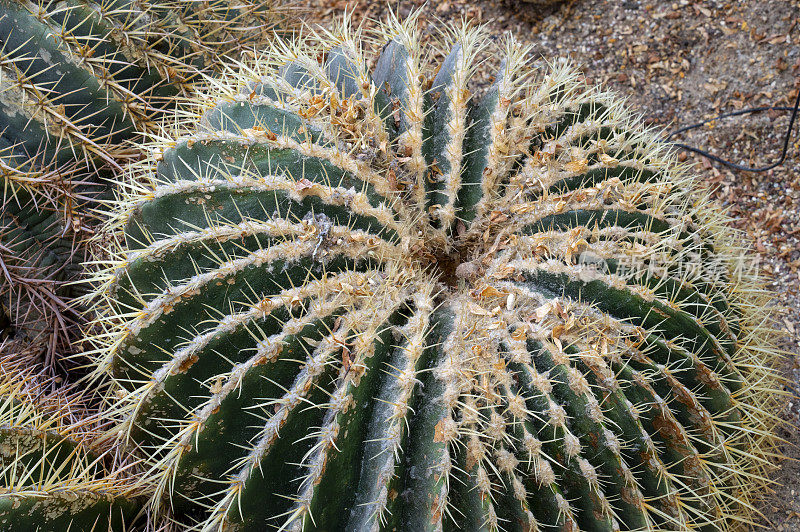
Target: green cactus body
[
  {"x": 82, "y": 77},
  {"x": 49, "y": 478},
  {"x": 358, "y": 301},
  {"x": 79, "y": 82}
]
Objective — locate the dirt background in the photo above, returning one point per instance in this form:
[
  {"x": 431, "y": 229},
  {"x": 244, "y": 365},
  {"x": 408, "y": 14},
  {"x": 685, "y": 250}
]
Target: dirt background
[{"x": 679, "y": 63}]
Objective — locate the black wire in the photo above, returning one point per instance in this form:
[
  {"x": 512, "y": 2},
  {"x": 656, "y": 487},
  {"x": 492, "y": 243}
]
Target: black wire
[{"x": 735, "y": 166}]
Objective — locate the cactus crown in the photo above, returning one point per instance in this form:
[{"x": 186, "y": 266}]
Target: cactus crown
[{"x": 362, "y": 301}]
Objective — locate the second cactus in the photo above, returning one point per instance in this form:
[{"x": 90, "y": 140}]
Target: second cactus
[{"x": 80, "y": 84}]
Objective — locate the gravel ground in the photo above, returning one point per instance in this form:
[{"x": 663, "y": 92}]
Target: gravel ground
[{"x": 679, "y": 63}]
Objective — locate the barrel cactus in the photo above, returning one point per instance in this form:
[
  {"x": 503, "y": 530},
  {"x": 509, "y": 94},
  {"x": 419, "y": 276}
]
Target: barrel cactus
[
  {"x": 379, "y": 301},
  {"x": 50, "y": 477},
  {"x": 79, "y": 80}
]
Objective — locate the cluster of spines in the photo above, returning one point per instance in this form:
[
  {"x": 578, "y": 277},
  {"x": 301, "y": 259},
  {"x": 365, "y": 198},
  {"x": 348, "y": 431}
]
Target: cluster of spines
[{"x": 544, "y": 391}]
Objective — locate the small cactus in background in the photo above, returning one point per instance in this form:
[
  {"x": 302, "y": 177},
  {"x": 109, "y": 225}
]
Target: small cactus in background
[
  {"x": 50, "y": 478},
  {"x": 79, "y": 81},
  {"x": 354, "y": 301}
]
